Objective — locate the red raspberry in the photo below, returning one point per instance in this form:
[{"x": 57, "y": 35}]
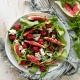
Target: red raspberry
[
  {"x": 24, "y": 46},
  {"x": 40, "y": 41},
  {"x": 43, "y": 32},
  {"x": 35, "y": 49},
  {"x": 48, "y": 25},
  {"x": 29, "y": 36},
  {"x": 50, "y": 48},
  {"x": 53, "y": 32},
  {"x": 17, "y": 26},
  {"x": 42, "y": 68},
  {"x": 12, "y": 37},
  {"x": 23, "y": 62}
]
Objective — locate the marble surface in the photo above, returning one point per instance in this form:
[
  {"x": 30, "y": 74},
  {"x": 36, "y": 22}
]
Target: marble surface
[{"x": 10, "y": 10}]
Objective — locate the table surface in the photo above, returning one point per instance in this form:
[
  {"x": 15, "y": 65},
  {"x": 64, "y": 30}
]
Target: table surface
[{"x": 10, "y": 10}]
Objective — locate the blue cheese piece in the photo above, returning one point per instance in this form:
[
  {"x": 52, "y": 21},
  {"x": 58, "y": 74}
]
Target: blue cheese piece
[
  {"x": 23, "y": 51},
  {"x": 20, "y": 48},
  {"x": 36, "y": 36},
  {"x": 49, "y": 30},
  {"x": 12, "y": 31},
  {"x": 42, "y": 51}
]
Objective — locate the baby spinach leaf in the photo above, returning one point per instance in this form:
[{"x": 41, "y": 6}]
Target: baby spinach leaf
[
  {"x": 33, "y": 69},
  {"x": 76, "y": 47}
]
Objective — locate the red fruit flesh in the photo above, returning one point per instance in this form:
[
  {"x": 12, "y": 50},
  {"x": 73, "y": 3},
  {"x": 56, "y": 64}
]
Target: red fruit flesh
[
  {"x": 35, "y": 49},
  {"x": 48, "y": 25},
  {"x": 72, "y": 10},
  {"x": 34, "y": 18},
  {"x": 29, "y": 36},
  {"x": 55, "y": 41},
  {"x": 42, "y": 68},
  {"x": 34, "y": 43},
  {"x": 24, "y": 46},
  {"x": 34, "y": 60},
  {"x": 43, "y": 32},
  {"x": 17, "y": 26},
  {"x": 50, "y": 48},
  {"x": 16, "y": 49},
  {"x": 41, "y": 41},
  {"x": 12, "y": 37},
  {"x": 29, "y": 31},
  {"x": 23, "y": 62}
]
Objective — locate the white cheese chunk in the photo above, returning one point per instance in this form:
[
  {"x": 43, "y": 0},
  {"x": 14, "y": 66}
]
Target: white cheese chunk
[
  {"x": 12, "y": 31},
  {"x": 23, "y": 51},
  {"x": 49, "y": 30},
  {"x": 42, "y": 51},
  {"x": 20, "y": 48},
  {"x": 36, "y": 36}
]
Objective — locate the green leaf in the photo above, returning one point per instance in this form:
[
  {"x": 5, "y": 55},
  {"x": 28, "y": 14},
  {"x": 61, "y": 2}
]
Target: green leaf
[
  {"x": 45, "y": 72},
  {"x": 76, "y": 47},
  {"x": 28, "y": 24},
  {"x": 60, "y": 30},
  {"x": 33, "y": 69},
  {"x": 63, "y": 54},
  {"x": 61, "y": 39}
]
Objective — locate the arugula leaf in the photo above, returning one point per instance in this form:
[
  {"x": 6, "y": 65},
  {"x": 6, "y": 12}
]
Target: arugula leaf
[
  {"x": 61, "y": 56},
  {"x": 45, "y": 72},
  {"x": 61, "y": 39},
  {"x": 76, "y": 47},
  {"x": 33, "y": 69},
  {"x": 60, "y": 30}
]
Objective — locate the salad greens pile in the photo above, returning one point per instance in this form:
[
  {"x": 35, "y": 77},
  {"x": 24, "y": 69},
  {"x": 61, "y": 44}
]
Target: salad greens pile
[
  {"x": 74, "y": 25},
  {"x": 38, "y": 43}
]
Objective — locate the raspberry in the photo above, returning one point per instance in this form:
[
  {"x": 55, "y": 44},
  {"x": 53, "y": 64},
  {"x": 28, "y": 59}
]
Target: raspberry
[
  {"x": 53, "y": 32},
  {"x": 23, "y": 62},
  {"x": 50, "y": 48},
  {"x": 24, "y": 46},
  {"x": 35, "y": 49},
  {"x": 29, "y": 36},
  {"x": 42, "y": 69},
  {"x": 43, "y": 32},
  {"x": 40, "y": 41},
  {"x": 17, "y": 26},
  {"x": 48, "y": 25},
  {"x": 12, "y": 37}
]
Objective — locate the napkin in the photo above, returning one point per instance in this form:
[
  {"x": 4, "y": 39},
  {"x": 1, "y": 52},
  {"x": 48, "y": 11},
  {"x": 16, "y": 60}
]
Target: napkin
[{"x": 70, "y": 64}]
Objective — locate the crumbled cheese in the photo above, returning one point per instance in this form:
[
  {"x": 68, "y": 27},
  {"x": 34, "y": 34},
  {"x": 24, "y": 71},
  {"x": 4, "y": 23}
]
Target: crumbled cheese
[
  {"x": 49, "y": 54},
  {"x": 36, "y": 36},
  {"x": 16, "y": 41},
  {"x": 23, "y": 51},
  {"x": 42, "y": 51},
  {"x": 53, "y": 36},
  {"x": 49, "y": 30},
  {"x": 37, "y": 55},
  {"x": 40, "y": 28},
  {"x": 20, "y": 48},
  {"x": 12, "y": 31},
  {"x": 22, "y": 43}
]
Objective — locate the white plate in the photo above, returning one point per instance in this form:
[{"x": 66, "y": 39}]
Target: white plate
[{"x": 11, "y": 56}]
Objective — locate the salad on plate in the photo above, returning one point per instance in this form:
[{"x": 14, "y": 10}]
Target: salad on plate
[{"x": 37, "y": 43}]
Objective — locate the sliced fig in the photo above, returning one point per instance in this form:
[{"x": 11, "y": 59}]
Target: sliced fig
[
  {"x": 39, "y": 18},
  {"x": 16, "y": 49}
]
